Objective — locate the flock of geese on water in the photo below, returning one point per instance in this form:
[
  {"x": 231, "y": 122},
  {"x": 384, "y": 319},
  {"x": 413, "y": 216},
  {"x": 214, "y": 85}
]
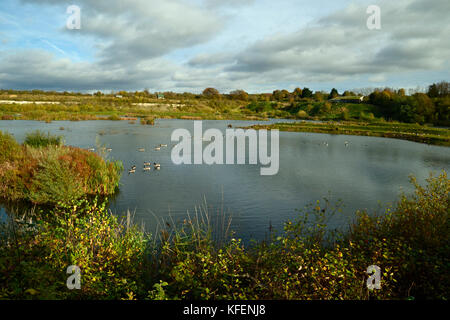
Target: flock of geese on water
[
  {"x": 325, "y": 143},
  {"x": 147, "y": 165},
  {"x": 157, "y": 166}
]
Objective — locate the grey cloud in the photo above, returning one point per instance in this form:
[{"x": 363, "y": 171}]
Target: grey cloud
[
  {"x": 136, "y": 30},
  {"x": 340, "y": 44},
  {"x": 209, "y": 60},
  {"x": 37, "y": 69}
]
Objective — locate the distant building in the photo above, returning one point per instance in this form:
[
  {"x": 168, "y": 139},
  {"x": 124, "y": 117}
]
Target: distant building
[{"x": 348, "y": 99}]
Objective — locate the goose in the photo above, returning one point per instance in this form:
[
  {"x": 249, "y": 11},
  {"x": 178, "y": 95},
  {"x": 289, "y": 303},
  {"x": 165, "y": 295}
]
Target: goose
[
  {"x": 147, "y": 168},
  {"x": 133, "y": 167},
  {"x": 158, "y": 148},
  {"x": 163, "y": 145},
  {"x": 157, "y": 165},
  {"x": 147, "y": 163},
  {"x": 131, "y": 171},
  {"x": 141, "y": 149},
  {"x": 346, "y": 143}
]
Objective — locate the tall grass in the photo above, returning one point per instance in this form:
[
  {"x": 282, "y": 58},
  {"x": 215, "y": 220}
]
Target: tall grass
[{"x": 38, "y": 139}]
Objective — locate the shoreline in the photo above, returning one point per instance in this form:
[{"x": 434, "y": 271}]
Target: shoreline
[{"x": 401, "y": 131}]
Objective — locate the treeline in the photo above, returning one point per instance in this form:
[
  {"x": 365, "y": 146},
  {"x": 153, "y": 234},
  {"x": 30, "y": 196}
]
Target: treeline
[{"x": 431, "y": 107}]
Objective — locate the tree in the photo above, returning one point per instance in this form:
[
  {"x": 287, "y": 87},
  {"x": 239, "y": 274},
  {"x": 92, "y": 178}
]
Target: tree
[
  {"x": 440, "y": 89},
  {"x": 297, "y": 93},
  {"x": 211, "y": 93},
  {"x": 318, "y": 96},
  {"x": 424, "y": 106},
  {"x": 333, "y": 94},
  {"x": 276, "y": 95},
  {"x": 239, "y": 95},
  {"x": 306, "y": 93}
]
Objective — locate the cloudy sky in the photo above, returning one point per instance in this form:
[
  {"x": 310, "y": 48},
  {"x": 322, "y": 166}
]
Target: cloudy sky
[{"x": 255, "y": 45}]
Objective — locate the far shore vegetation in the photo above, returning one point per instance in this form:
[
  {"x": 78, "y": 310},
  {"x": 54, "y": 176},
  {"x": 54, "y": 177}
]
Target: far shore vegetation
[
  {"x": 382, "y": 109},
  {"x": 404, "y": 131},
  {"x": 431, "y": 107}
]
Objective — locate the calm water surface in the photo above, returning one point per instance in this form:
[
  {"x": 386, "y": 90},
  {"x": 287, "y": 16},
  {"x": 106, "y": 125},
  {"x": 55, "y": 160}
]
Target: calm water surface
[{"x": 369, "y": 173}]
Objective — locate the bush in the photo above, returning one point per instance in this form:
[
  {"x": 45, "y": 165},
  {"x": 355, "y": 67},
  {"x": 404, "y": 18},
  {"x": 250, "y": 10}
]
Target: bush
[
  {"x": 48, "y": 173},
  {"x": 302, "y": 114},
  {"x": 114, "y": 117},
  {"x": 39, "y": 139},
  {"x": 345, "y": 115},
  {"x": 111, "y": 255},
  {"x": 9, "y": 148}
]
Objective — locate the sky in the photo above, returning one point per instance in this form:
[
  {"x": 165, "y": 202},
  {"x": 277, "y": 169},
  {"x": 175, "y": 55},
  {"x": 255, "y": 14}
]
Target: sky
[{"x": 254, "y": 45}]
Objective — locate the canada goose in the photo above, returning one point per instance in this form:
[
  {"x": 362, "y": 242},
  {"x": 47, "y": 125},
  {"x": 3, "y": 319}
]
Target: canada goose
[
  {"x": 163, "y": 145},
  {"x": 158, "y": 148},
  {"x": 147, "y": 163},
  {"x": 141, "y": 149},
  {"x": 131, "y": 171},
  {"x": 346, "y": 143},
  {"x": 157, "y": 165},
  {"x": 147, "y": 168},
  {"x": 157, "y": 168}
]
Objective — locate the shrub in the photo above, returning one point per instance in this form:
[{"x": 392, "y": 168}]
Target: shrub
[
  {"x": 51, "y": 174},
  {"x": 345, "y": 115},
  {"x": 9, "y": 148},
  {"x": 111, "y": 255},
  {"x": 302, "y": 114},
  {"x": 114, "y": 117},
  {"x": 39, "y": 139}
]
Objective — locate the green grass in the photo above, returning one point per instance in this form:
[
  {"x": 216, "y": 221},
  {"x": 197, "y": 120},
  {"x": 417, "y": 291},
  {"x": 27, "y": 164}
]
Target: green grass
[
  {"x": 38, "y": 139},
  {"x": 412, "y": 132}
]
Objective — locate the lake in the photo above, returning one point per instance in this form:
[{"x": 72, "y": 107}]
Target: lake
[{"x": 367, "y": 174}]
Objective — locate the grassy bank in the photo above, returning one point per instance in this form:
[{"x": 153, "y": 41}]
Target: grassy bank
[
  {"x": 44, "y": 171},
  {"x": 412, "y": 132},
  {"x": 410, "y": 243}
]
